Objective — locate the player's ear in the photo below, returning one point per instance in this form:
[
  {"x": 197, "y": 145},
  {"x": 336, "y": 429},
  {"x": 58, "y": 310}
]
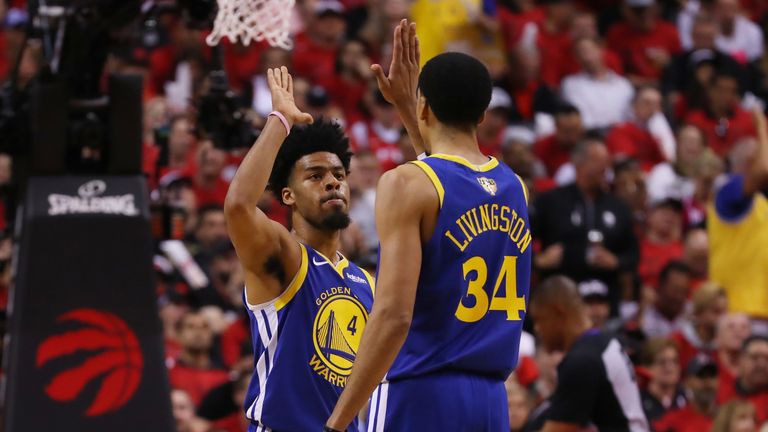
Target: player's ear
[
  {"x": 422, "y": 108},
  {"x": 286, "y": 195},
  {"x": 482, "y": 118}
]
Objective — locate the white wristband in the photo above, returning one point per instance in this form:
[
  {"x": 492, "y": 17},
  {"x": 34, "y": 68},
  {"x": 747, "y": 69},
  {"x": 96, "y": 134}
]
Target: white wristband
[{"x": 423, "y": 155}]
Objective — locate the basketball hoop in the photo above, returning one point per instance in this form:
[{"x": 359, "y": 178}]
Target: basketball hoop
[{"x": 253, "y": 20}]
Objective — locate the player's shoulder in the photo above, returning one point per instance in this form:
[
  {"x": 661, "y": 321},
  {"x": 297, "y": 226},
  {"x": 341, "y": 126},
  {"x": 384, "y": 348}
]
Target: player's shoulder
[
  {"x": 409, "y": 186},
  {"x": 408, "y": 177}
]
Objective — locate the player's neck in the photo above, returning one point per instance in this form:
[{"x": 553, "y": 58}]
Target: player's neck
[
  {"x": 452, "y": 141},
  {"x": 327, "y": 243}
]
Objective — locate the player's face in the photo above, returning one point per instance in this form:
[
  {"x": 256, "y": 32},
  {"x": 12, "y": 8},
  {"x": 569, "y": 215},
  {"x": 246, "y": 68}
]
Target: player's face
[{"x": 318, "y": 190}]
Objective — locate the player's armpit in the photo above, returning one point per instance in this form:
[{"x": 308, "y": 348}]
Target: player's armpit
[{"x": 269, "y": 254}]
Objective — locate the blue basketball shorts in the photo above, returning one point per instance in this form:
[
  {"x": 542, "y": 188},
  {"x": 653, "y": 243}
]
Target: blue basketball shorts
[{"x": 440, "y": 402}]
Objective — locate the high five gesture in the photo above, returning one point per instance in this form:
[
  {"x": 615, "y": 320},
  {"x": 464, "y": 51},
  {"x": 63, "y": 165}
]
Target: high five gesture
[{"x": 400, "y": 88}]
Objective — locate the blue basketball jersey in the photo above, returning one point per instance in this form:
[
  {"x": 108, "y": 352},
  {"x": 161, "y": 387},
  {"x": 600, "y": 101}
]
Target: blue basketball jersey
[
  {"x": 305, "y": 342},
  {"x": 475, "y": 273}
]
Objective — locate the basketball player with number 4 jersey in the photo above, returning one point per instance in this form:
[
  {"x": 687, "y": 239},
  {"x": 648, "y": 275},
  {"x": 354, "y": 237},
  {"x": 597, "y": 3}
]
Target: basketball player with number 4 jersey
[
  {"x": 454, "y": 264},
  {"x": 307, "y": 304}
]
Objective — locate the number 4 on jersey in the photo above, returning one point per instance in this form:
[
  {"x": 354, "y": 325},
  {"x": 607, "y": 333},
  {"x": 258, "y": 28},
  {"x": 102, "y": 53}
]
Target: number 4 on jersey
[
  {"x": 510, "y": 302},
  {"x": 352, "y": 326}
]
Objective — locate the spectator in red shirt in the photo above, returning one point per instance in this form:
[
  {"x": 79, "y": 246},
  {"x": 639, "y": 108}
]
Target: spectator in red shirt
[
  {"x": 554, "y": 151},
  {"x": 697, "y": 415},
  {"x": 382, "y": 134},
  {"x": 181, "y": 144},
  {"x": 242, "y": 62},
  {"x": 698, "y": 335},
  {"x": 207, "y": 182},
  {"x": 633, "y": 139},
  {"x": 195, "y": 370},
  {"x": 722, "y": 120},
  {"x": 751, "y": 383},
  {"x": 732, "y": 330},
  {"x": 662, "y": 242},
  {"x": 644, "y": 42},
  {"x": 554, "y": 39},
  {"x": 530, "y": 95},
  {"x": 314, "y": 53},
  {"x": 236, "y": 342},
  {"x": 350, "y": 83}
]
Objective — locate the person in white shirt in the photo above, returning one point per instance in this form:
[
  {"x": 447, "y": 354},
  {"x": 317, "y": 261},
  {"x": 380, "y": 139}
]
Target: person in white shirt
[
  {"x": 602, "y": 97},
  {"x": 739, "y": 37},
  {"x": 674, "y": 179}
]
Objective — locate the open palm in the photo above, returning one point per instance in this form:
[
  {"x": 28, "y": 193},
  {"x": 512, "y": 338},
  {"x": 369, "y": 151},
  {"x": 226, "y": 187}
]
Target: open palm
[{"x": 281, "y": 86}]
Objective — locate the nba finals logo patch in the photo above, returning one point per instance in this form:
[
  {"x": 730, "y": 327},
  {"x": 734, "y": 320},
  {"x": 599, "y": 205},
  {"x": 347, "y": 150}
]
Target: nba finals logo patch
[
  {"x": 488, "y": 184},
  {"x": 337, "y": 330}
]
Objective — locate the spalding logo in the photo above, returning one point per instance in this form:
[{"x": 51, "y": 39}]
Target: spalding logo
[
  {"x": 92, "y": 188},
  {"x": 114, "y": 358}
]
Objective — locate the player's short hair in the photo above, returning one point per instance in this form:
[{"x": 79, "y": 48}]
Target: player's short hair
[
  {"x": 457, "y": 88},
  {"x": 320, "y": 136}
]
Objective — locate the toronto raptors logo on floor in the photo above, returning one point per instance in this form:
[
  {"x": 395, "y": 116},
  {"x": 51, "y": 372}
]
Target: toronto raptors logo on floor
[{"x": 114, "y": 359}]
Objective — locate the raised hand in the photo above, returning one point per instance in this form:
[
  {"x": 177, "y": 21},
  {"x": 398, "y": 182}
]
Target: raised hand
[
  {"x": 281, "y": 86},
  {"x": 400, "y": 86}
]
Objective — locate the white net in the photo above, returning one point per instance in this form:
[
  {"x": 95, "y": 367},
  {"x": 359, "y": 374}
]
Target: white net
[{"x": 253, "y": 20}]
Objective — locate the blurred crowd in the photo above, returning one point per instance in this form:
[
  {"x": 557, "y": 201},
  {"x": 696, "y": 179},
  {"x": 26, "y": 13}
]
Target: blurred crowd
[{"x": 623, "y": 117}]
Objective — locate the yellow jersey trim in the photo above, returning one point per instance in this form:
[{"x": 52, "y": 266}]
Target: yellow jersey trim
[
  {"x": 491, "y": 164},
  {"x": 433, "y": 178},
  {"x": 525, "y": 189},
  {"x": 371, "y": 281},
  {"x": 297, "y": 282},
  {"x": 340, "y": 266}
]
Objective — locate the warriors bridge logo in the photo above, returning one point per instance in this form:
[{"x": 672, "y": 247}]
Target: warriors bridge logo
[
  {"x": 338, "y": 327},
  {"x": 114, "y": 358}
]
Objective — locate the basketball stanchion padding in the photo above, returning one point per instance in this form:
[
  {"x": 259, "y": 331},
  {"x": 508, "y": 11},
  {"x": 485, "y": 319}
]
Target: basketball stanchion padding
[{"x": 85, "y": 345}]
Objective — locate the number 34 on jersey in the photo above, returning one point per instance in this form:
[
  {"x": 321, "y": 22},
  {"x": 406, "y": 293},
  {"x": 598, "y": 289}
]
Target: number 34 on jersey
[{"x": 475, "y": 272}]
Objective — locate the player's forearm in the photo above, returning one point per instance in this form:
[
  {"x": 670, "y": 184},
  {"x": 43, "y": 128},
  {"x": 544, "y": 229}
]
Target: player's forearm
[
  {"x": 252, "y": 176},
  {"x": 382, "y": 339}
]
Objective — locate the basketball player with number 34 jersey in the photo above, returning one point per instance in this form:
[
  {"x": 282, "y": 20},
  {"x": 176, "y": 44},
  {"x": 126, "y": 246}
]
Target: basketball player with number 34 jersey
[
  {"x": 307, "y": 304},
  {"x": 454, "y": 265}
]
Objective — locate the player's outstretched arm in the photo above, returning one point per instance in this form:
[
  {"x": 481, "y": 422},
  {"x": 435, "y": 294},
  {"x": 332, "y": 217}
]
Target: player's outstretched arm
[
  {"x": 258, "y": 240},
  {"x": 401, "y": 86},
  {"x": 398, "y": 221}
]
